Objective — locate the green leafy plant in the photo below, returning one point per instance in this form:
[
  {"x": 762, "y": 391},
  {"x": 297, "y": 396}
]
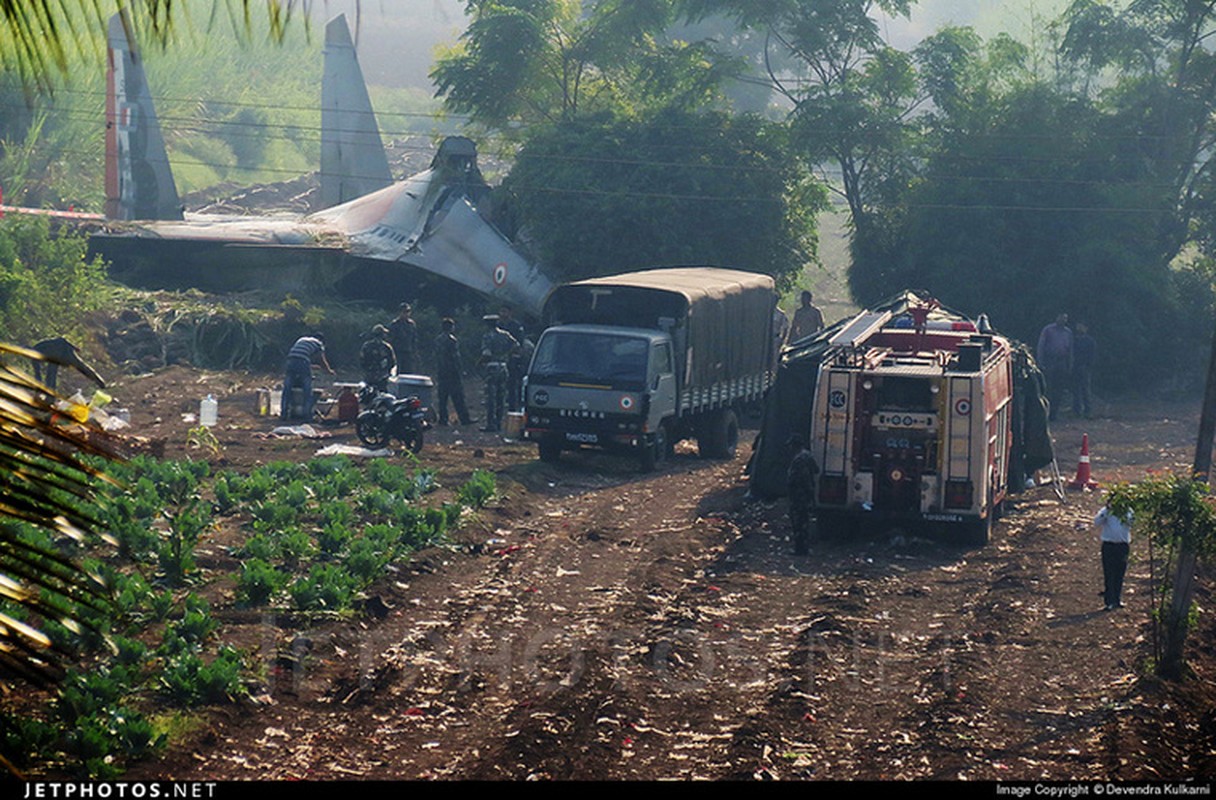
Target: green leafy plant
[
  {"x": 259, "y": 582},
  {"x": 479, "y": 489},
  {"x": 327, "y": 587},
  {"x": 190, "y": 680}
]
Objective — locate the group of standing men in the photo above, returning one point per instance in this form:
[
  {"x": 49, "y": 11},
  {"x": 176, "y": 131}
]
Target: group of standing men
[
  {"x": 1066, "y": 357},
  {"x": 393, "y": 349}
]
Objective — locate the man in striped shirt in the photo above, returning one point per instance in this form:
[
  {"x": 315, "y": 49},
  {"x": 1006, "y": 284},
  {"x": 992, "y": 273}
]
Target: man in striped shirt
[{"x": 298, "y": 373}]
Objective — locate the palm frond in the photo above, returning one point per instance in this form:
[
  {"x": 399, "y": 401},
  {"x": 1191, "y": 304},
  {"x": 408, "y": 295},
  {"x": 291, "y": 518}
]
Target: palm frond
[
  {"x": 37, "y": 36},
  {"x": 45, "y": 482}
]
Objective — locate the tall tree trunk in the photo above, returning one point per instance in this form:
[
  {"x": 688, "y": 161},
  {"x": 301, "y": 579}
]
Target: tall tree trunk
[{"x": 1171, "y": 665}]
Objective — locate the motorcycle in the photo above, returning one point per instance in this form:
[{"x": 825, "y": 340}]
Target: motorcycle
[{"x": 385, "y": 417}]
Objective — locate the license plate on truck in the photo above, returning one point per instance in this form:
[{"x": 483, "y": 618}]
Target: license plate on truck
[{"x": 583, "y": 438}]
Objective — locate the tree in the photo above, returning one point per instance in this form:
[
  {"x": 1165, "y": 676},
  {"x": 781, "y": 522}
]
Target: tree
[
  {"x": 1180, "y": 517},
  {"x": 853, "y": 97},
  {"x": 600, "y": 196},
  {"x": 538, "y": 62},
  {"x": 623, "y": 161}
]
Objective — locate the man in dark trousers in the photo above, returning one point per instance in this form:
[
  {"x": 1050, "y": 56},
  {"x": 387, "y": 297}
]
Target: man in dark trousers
[
  {"x": 1115, "y": 533},
  {"x": 1054, "y": 354},
  {"x": 298, "y": 372},
  {"x": 515, "y": 364},
  {"x": 1084, "y": 352},
  {"x": 800, "y": 482},
  {"x": 403, "y": 336},
  {"x": 60, "y": 351},
  {"x": 447, "y": 374},
  {"x": 497, "y": 347}
]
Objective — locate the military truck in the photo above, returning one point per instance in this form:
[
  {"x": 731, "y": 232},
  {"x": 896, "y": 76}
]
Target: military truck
[{"x": 636, "y": 362}]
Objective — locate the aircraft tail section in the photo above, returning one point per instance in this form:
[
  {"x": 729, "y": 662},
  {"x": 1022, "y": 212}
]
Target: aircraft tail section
[
  {"x": 139, "y": 181},
  {"x": 353, "y": 162},
  {"x": 430, "y": 221}
]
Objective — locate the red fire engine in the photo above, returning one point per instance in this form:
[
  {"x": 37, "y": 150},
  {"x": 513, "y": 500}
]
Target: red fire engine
[{"x": 911, "y": 422}]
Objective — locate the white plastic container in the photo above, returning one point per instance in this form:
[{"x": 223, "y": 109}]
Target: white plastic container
[{"x": 208, "y": 411}]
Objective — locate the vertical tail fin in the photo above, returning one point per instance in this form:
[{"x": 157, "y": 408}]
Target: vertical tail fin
[
  {"x": 353, "y": 162},
  {"x": 139, "y": 182}
]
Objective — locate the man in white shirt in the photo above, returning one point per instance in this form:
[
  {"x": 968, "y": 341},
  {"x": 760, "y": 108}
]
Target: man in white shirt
[{"x": 1115, "y": 533}]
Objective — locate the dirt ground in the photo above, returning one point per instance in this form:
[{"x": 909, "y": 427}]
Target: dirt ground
[{"x": 597, "y": 623}]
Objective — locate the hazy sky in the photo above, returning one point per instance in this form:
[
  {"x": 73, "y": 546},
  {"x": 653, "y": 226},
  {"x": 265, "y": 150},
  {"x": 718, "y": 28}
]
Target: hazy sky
[{"x": 397, "y": 38}]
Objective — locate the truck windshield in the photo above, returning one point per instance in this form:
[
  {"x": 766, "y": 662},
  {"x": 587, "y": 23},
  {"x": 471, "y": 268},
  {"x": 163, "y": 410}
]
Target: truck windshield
[{"x": 590, "y": 358}]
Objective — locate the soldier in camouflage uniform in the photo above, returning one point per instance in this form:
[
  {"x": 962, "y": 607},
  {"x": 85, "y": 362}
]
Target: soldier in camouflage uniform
[
  {"x": 447, "y": 374},
  {"x": 377, "y": 359},
  {"x": 497, "y": 347},
  {"x": 800, "y": 481}
]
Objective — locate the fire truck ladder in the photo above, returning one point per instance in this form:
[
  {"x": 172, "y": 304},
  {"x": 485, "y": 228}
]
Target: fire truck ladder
[{"x": 846, "y": 347}]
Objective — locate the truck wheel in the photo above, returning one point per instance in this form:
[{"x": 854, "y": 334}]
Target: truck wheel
[
  {"x": 720, "y": 436},
  {"x": 654, "y": 453},
  {"x": 550, "y": 451},
  {"x": 976, "y": 533}
]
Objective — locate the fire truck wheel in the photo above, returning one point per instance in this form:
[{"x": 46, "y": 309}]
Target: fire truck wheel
[{"x": 835, "y": 525}]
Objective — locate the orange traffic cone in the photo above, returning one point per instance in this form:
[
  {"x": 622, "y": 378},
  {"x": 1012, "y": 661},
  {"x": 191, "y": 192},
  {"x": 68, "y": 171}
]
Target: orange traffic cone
[{"x": 1083, "y": 479}]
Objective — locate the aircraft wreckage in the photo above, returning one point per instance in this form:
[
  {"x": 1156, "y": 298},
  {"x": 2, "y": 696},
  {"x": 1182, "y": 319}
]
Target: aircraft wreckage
[{"x": 430, "y": 222}]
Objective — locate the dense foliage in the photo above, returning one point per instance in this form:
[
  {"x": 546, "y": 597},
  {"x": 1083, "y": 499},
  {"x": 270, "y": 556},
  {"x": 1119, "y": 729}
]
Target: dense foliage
[
  {"x": 599, "y": 198},
  {"x": 47, "y": 284},
  {"x": 1015, "y": 180},
  {"x": 626, "y": 158}
]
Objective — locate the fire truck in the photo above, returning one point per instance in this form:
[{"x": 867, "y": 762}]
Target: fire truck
[{"x": 911, "y": 424}]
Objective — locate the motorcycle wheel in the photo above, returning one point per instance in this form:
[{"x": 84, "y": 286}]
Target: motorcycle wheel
[
  {"x": 413, "y": 441},
  {"x": 369, "y": 427}
]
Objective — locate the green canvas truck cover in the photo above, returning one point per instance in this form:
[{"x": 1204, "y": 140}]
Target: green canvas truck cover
[{"x": 721, "y": 317}]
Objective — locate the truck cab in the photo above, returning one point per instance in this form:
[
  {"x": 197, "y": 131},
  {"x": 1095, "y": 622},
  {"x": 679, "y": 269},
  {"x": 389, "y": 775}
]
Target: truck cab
[{"x": 604, "y": 387}]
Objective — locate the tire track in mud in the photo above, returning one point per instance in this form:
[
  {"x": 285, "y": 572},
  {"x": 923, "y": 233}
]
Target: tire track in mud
[
  {"x": 910, "y": 661},
  {"x": 533, "y": 669}
]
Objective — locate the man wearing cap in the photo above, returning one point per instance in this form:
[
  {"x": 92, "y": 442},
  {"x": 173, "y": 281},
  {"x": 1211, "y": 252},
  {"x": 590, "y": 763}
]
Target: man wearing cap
[
  {"x": 298, "y": 372},
  {"x": 403, "y": 336},
  {"x": 377, "y": 359},
  {"x": 497, "y": 347}
]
